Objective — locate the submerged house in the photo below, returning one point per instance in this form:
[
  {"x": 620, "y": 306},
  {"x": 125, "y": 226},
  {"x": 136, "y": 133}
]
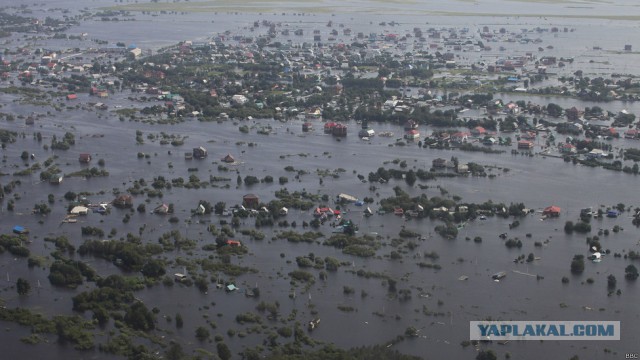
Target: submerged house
[
  {"x": 56, "y": 179},
  {"x": 123, "y": 201},
  {"x": 346, "y": 198},
  {"x": 439, "y": 163},
  {"x": 366, "y": 133},
  {"x": 339, "y": 130},
  {"x": 84, "y": 158},
  {"x": 460, "y": 137},
  {"x": 200, "y": 210},
  {"x": 79, "y": 210},
  {"x": 228, "y": 159},
  {"x": 250, "y": 201},
  {"x": 552, "y": 211},
  {"x": 410, "y": 125},
  {"x": 161, "y": 209},
  {"x": 233, "y": 243},
  {"x": 328, "y": 127},
  {"x": 199, "y": 152},
  {"x": 525, "y": 145},
  {"x": 412, "y": 134}
]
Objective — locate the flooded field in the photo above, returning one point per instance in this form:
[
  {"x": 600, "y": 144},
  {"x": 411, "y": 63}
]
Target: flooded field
[{"x": 355, "y": 309}]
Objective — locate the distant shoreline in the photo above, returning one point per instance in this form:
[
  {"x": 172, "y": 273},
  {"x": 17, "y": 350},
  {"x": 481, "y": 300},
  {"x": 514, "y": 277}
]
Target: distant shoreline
[{"x": 258, "y": 6}]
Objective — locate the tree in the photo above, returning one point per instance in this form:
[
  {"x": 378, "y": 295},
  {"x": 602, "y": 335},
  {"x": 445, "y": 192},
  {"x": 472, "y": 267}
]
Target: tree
[
  {"x": 219, "y": 207},
  {"x": 70, "y": 195},
  {"x": 410, "y": 177},
  {"x": 101, "y": 315},
  {"x": 631, "y": 272},
  {"x": 250, "y": 180},
  {"x": 223, "y": 351},
  {"x": 554, "y": 110},
  {"x": 139, "y": 317},
  {"x": 611, "y": 282},
  {"x": 577, "y": 264},
  {"x": 568, "y": 227},
  {"x": 23, "y": 286},
  {"x": 153, "y": 269},
  {"x": 202, "y": 333},
  {"x": 175, "y": 352},
  {"x": 486, "y": 355},
  {"x": 179, "y": 321},
  {"x": 582, "y": 227}
]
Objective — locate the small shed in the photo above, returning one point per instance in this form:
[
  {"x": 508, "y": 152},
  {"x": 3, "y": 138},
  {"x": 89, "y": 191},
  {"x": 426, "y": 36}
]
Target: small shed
[
  {"x": 84, "y": 158},
  {"x": 250, "y": 201},
  {"x": 161, "y": 209},
  {"x": 228, "y": 159},
  {"x": 199, "y": 152},
  {"x": 551, "y": 211},
  {"x": 20, "y": 230},
  {"x": 233, "y": 243},
  {"x": 79, "y": 210},
  {"x": 347, "y": 198}
]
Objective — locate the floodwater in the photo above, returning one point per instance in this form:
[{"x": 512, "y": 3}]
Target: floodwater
[{"x": 536, "y": 181}]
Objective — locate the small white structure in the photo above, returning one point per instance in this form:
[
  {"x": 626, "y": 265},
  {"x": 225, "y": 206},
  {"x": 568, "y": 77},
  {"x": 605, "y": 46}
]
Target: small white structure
[
  {"x": 347, "y": 198},
  {"x": 79, "y": 210},
  {"x": 239, "y": 99}
]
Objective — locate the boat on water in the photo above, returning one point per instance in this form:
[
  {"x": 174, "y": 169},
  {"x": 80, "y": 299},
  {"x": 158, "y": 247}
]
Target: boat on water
[
  {"x": 313, "y": 324},
  {"x": 20, "y": 230},
  {"x": 499, "y": 275}
]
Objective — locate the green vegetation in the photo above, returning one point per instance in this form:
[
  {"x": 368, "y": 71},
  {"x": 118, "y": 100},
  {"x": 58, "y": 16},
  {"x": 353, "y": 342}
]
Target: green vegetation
[
  {"x": 577, "y": 264},
  {"x": 22, "y": 286},
  {"x": 631, "y": 272},
  {"x": 293, "y": 236},
  {"x": 363, "y": 246}
]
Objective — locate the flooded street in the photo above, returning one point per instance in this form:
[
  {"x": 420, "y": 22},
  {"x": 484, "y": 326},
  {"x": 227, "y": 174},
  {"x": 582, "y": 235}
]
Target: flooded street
[{"x": 440, "y": 305}]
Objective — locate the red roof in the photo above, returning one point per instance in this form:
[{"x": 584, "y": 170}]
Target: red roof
[
  {"x": 329, "y": 125},
  {"x": 72, "y": 96},
  {"x": 552, "y": 210}
]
